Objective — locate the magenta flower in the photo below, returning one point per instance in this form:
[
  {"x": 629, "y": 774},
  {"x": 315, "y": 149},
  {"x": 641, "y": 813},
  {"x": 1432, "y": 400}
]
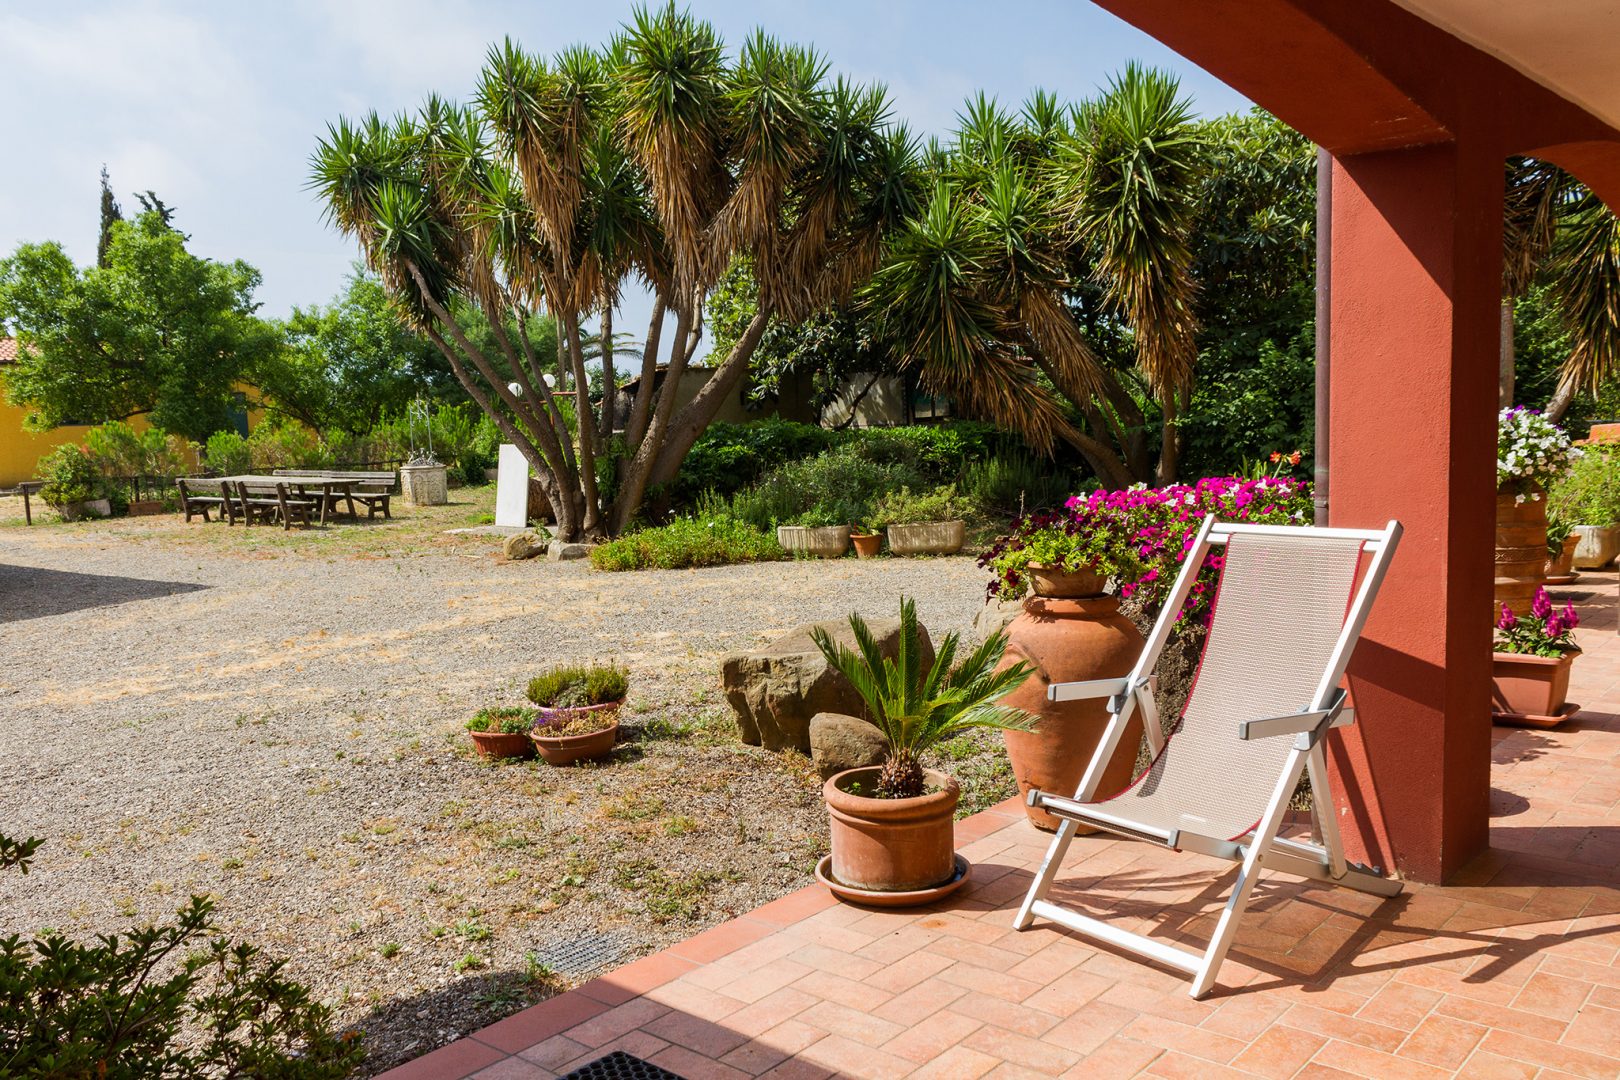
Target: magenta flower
[
  {"x": 1508, "y": 620},
  {"x": 1541, "y": 603},
  {"x": 1571, "y": 619}
]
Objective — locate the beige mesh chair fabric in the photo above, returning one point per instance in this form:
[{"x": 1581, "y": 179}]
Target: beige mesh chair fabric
[{"x": 1277, "y": 617}]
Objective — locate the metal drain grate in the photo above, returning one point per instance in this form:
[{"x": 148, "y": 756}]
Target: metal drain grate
[
  {"x": 583, "y": 955},
  {"x": 621, "y": 1066}
]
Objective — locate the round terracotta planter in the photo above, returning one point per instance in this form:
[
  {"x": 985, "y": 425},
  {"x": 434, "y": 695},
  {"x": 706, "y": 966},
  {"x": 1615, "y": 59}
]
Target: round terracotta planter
[
  {"x": 892, "y": 845},
  {"x": 501, "y": 744},
  {"x": 1521, "y": 549},
  {"x": 867, "y": 545},
  {"x": 568, "y": 749},
  {"x": 1056, "y": 582},
  {"x": 1068, "y": 640}
]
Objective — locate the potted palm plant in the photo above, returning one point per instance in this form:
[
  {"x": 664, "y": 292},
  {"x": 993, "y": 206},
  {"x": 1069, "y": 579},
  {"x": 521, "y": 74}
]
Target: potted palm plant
[
  {"x": 1530, "y": 667},
  {"x": 892, "y": 825},
  {"x": 578, "y": 711}
]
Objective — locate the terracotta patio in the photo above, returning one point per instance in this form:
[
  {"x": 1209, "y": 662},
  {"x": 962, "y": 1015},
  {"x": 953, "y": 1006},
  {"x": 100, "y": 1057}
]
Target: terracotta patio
[{"x": 1510, "y": 970}]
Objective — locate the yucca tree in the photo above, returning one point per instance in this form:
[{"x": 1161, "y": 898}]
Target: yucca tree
[
  {"x": 918, "y": 708},
  {"x": 659, "y": 158},
  {"x": 977, "y": 290}
]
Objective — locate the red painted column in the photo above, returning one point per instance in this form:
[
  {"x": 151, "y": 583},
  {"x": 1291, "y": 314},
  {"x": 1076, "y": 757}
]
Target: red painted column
[{"x": 1416, "y": 276}]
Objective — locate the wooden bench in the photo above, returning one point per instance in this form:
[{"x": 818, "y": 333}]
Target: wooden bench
[
  {"x": 266, "y": 509},
  {"x": 191, "y": 503},
  {"x": 374, "y": 489}
]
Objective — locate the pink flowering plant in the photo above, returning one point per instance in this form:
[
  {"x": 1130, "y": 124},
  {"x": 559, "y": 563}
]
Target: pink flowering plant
[
  {"x": 1546, "y": 631},
  {"x": 1139, "y": 536}
]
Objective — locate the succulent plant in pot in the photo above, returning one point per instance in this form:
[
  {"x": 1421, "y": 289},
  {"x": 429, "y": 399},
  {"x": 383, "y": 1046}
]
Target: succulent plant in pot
[
  {"x": 502, "y": 732},
  {"x": 578, "y": 711},
  {"x": 892, "y": 824}
]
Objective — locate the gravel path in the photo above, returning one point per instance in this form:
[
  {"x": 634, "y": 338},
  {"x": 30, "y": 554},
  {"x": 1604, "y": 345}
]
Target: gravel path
[{"x": 279, "y": 726}]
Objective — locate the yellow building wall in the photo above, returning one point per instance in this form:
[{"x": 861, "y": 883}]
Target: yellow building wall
[{"x": 20, "y": 449}]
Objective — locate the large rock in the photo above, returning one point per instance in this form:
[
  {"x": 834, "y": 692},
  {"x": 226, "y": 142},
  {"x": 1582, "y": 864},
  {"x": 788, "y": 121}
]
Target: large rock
[
  {"x": 524, "y": 545},
  {"x": 995, "y": 616},
  {"x": 560, "y": 551},
  {"x": 776, "y": 689},
  {"x": 839, "y": 742}
]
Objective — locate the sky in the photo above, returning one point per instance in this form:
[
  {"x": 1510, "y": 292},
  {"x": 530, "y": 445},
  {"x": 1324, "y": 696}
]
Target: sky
[{"x": 216, "y": 106}]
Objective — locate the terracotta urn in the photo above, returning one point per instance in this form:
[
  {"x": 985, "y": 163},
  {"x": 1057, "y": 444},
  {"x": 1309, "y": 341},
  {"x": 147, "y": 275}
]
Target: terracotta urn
[
  {"x": 568, "y": 749},
  {"x": 1521, "y": 549},
  {"x": 1068, "y": 639},
  {"x": 1531, "y": 691},
  {"x": 891, "y": 845}
]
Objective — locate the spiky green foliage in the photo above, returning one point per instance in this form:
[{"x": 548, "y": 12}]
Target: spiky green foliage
[{"x": 918, "y": 708}]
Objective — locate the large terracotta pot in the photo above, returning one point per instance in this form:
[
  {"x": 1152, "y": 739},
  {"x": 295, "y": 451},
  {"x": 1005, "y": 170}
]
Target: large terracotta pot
[
  {"x": 568, "y": 749},
  {"x": 1068, "y": 640},
  {"x": 1531, "y": 690},
  {"x": 1521, "y": 549},
  {"x": 891, "y": 845}
]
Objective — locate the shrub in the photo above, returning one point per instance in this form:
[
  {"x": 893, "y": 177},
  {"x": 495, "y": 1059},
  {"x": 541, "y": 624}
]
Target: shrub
[
  {"x": 903, "y": 508},
  {"x": 836, "y": 488},
  {"x": 227, "y": 452},
  {"x": 286, "y": 445},
  {"x": 937, "y": 452},
  {"x": 119, "y": 450},
  {"x": 1589, "y": 493},
  {"x": 685, "y": 542},
  {"x": 728, "y": 457},
  {"x": 506, "y": 719},
  {"x": 1011, "y": 485},
  {"x": 574, "y": 686},
  {"x": 70, "y": 476},
  {"x": 158, "y": 1001}
]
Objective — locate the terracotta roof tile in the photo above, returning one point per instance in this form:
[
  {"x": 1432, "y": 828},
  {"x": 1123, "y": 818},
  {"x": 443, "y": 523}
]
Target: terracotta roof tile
[{"x": 8, "y": 350}]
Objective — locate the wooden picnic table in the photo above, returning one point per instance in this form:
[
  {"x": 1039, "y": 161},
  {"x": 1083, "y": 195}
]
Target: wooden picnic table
[{"x": 330, "y": 488}]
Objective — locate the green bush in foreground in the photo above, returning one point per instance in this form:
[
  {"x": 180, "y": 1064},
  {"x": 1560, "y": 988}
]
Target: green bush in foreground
[
  {"x": 714, "y": 541},
  {"x": 158, "y": 1002}
]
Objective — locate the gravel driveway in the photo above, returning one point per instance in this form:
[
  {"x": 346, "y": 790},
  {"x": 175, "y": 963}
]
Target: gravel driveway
[{"x": 277, "y": 723}]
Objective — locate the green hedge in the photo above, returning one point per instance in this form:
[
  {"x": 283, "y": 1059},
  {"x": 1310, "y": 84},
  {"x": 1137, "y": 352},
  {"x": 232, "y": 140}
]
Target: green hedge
[{"x": 685, "y": 542}]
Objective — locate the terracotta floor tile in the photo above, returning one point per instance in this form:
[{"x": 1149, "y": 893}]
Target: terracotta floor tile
[
  {"x": 539, "y": 1022},
  {"x": 1022, "y": 1019},
  {"x": 1021, "y": 1050},
  {"x": 607, "y": 1026},
  {"x": 927, "y": 1039},
  {"x": 1595, "y": 1029},
  {"x": 957, "y": 1063},
  {"x": 854, "y": 1024},
  {"x": 694, "y": 1066},
  {"x": 1477, "y": 1012},
  {"x": 1346, "y": 1028},
  {"x": 461, "y": 1058},
  {"x": 1442, "y": 1042},
  {"x": 1552, "y": 995},
  {"x": 635, "y": 1043},
  {"x": 830, "y": 987},
  {"x": 1279, "y": 1052},
  {"x": 1486, "y": 1066},
  {"x": 513, "y": 1069},
  {"x": 919, "y": 967},
  {"x": 553, "y": 1052},
  {"x": 762, "y": 1015},
  {"x": 846, "y": 1057},
  {"x": 773, "y": 1047},
  {"x": 1118, "y": 1057},
  {"x": 1551, "y": 1055},
  {"x": 1182, "y": 1038},
  {"x": 708, "y": 1037},
  {"x": 921, "y": 1001},
  {"x": 1090, "y": 1027}
]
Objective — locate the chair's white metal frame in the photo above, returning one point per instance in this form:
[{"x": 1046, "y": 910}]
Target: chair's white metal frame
[{"x": 1323, "y": 861}]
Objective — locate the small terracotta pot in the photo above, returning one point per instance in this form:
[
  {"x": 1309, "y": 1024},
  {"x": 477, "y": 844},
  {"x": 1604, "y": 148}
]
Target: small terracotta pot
[
  {"x": 501, "y": 744},
  {"x": 568, "y": 749},
  {"x": 892, "y": 845},
  {"x": 1064, "y": 584},
  {"x": 867, "y": 545},
  {"x": 1530, "y": 689}
]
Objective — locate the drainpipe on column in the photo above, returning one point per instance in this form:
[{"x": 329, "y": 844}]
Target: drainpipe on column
[{"x": 1324, "y": 292}]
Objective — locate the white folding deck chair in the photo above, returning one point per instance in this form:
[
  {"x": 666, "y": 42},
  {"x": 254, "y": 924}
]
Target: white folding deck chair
[{"x": 1285, "y": 619}]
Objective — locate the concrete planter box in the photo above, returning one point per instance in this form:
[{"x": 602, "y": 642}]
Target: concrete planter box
[
  {"x": 1598, "y": 545},
  {"x": 424, "y": 485},
  {"x": 90, "y": 508},
  {"x": 928, "y": 538},
  {"x": 825, "y": 542}
]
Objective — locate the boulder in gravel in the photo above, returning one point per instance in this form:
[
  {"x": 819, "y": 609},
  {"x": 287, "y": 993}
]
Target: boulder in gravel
[
  {"x": 996, "y": 615},
  {"x": 524, "y": 545},
  {"x": 562, "y": 552},
  {"x": 839, "y": 742},
  {"x": 777, "y": 688}
]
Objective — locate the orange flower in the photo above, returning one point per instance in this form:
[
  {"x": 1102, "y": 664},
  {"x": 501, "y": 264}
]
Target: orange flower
[
  {"x": 1276, "y": 456},
  {"x": 1294, "y": 458}
]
